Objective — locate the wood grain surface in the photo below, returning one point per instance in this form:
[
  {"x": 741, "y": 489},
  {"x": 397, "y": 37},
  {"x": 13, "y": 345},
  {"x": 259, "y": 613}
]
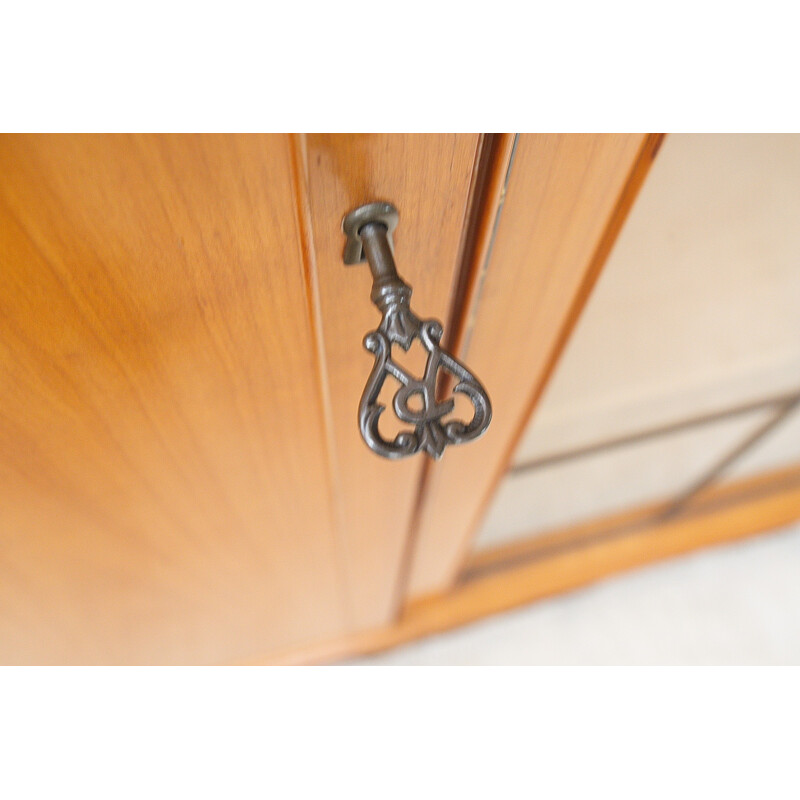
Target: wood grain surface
[
  {"x": 427, "y": 177},
  {"x": 182, "y": 479},
  {"x": 565, "y": 199},
  {"x": 163, "y": 493}
]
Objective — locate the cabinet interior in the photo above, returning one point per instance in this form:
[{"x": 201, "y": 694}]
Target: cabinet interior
[{"x": 683, "y": 371}]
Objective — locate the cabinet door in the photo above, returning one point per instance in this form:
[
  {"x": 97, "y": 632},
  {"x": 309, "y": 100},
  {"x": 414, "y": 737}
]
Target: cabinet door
[
  {"x": 688, "y": 351},
  {"x": 564, "y": 201},
  {"x": 181, "y": 473}
]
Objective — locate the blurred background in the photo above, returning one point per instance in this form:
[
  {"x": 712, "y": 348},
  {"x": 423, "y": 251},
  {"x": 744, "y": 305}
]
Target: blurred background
[{"x": 735, "y": 604}]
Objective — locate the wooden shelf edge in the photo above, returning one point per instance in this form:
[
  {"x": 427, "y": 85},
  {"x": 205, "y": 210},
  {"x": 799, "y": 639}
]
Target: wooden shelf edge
[{"x": 725, "y": 515}]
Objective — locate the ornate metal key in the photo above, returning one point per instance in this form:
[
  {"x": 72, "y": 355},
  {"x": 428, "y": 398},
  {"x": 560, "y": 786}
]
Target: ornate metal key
[{"x": 369, "y": 230}]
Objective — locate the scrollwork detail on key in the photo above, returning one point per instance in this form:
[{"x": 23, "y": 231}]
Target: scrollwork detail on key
[{"x": 430, "y": 429}]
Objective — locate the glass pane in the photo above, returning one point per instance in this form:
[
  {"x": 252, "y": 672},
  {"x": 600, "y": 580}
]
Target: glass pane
[
  {"x": 610, "y": 480},
  {"x": 687, "y": 346},
  {"x": 697, "y": 308}
]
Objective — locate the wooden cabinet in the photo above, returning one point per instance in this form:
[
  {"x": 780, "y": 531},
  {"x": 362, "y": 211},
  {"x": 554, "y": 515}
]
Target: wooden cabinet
[{"x": 182, "y": 478}]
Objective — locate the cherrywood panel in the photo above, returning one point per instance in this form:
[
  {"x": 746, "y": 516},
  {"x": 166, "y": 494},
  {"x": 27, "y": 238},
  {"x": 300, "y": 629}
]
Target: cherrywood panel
[
  {"x": 427, "y": 177},
  {"x": 164, "y": 492},
  {"x": 565, "y": 200}
]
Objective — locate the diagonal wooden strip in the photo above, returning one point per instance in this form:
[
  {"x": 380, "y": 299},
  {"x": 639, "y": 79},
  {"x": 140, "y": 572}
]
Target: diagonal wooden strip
[{"x": 566, "y": 198}]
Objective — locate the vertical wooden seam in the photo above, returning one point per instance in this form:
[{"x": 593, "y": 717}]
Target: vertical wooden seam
[
  {"x": 489, "y": 221},
  {"x": 633, "y": 183},
  {"x": 487, "y": 188},
  {"x": 314, "y": 309},
  {"x": 462, "y": 277}
]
